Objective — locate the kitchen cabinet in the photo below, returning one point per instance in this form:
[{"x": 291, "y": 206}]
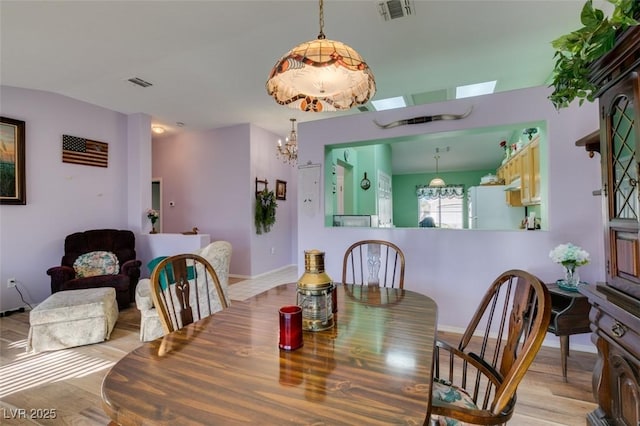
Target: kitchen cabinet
[
  {"x": 510, "y": 172},
  {"x": 615, "y": 303},
  {"x": 523, "y": 167},
  {"x": 530, "y": 175}
]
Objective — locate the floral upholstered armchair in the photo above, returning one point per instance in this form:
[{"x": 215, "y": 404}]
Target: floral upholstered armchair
[
  {"x": 218, "y": 254},
  {"x": 99, "y": 258}
]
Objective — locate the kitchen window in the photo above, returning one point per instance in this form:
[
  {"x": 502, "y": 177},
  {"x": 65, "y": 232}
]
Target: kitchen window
[{"x": 441, "y": 207}]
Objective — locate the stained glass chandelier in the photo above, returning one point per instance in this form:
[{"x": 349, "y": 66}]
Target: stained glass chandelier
[{"x": 321, "y": 75}]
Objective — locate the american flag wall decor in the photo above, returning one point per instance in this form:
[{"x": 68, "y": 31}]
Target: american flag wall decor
[{"x": 84, "y": 151}]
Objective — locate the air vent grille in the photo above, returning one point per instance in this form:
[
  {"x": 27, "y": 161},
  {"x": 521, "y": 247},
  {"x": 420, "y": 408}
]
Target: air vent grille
[
  {"x": 394, "y": 9},
  {"x": 140, "y": 82}
]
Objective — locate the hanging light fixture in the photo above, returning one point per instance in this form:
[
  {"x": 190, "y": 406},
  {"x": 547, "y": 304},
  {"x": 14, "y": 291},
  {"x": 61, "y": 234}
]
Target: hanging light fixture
[
  {"x": 321, "y": 75},
  {"x": 437, "y": 182},
  {"x": 289, "y": 151}
]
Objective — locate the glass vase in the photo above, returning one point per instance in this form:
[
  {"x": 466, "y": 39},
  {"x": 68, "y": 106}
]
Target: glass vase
[{"x": 571, "y": 277}]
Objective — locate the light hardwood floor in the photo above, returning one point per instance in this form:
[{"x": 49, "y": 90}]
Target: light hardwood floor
[{"x": 68, "y": 382}]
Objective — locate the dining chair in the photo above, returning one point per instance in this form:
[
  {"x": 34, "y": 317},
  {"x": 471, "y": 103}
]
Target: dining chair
[
  {"x": 475, "y": 381},
  {"x": 374, "y": 263},
  {"x": 185, "y": 288}
]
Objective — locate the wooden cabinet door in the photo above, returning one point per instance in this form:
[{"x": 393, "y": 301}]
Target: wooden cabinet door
[
  {"x": 624, "y": 387},
  {"x": 534, "y": 152},
  {"x": 621, "y": 205},
  {"x": 514, "y": 171},
  {"x": 525, "y": 175}
]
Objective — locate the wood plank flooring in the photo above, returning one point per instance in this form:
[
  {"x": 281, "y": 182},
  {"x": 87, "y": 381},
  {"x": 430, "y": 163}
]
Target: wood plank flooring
[{"x": 68, "y": 382}]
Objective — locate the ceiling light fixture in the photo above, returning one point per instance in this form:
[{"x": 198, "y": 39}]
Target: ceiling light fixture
[
  {"x": 437, "y": 182},
  {"x": 321, "y": 75},
  {"x": 157, "y": 130},
  {"x": 289, "y": 151}
]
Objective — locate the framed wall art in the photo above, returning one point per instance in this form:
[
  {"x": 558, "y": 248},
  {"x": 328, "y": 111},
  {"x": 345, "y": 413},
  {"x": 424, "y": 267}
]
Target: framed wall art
[
  {"x": 281, "y": 190},
  {"x": 12, "y": 171}
]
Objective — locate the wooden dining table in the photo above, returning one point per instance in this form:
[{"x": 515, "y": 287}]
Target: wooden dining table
[{"x": 374, "y": 367}]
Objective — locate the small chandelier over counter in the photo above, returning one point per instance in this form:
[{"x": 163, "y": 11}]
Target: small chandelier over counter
[
  {"x": 437, "y": 182},
  {"x": 289, "y": 151},
  {"x": 321, "y": 75}
]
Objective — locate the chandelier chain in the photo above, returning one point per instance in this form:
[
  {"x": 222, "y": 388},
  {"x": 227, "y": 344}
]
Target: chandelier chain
[{"x": 321, "y": 36}]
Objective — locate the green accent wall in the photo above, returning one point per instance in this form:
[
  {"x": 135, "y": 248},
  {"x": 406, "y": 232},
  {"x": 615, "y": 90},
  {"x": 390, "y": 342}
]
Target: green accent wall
[
  {"x": 361, "y": 159},
  {"x": 405, "y": 200}
]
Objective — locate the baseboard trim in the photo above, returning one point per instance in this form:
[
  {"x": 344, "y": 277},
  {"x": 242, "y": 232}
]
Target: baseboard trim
[
  {"x": 11, "y": 312},
  {"x": 253, "y": 277}
]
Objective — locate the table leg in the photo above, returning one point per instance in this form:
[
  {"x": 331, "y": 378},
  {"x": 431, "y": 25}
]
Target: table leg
[{"x": 564, "y": 353}]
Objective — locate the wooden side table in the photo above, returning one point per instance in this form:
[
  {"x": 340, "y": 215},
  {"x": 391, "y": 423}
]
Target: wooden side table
[{"x": 569, "y": 315}]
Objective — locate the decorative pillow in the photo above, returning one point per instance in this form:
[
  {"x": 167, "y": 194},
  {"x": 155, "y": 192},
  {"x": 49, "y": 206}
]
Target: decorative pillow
[{"x": 96, "y": 263}]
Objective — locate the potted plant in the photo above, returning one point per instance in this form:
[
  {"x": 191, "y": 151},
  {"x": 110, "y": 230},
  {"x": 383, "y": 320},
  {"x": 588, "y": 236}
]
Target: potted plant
[
  {"x": 577, "y": 50},
  {"x": 265, "y": 213}
]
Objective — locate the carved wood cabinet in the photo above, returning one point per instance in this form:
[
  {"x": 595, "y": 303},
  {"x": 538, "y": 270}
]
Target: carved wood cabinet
[{"x": 615, "y": 311}]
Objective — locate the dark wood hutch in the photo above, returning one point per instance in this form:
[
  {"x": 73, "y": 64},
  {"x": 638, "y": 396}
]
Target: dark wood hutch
[{"x": 615, "y": 304}]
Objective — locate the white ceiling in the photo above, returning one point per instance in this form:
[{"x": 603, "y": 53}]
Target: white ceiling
[{"x": 209, "y": 60}]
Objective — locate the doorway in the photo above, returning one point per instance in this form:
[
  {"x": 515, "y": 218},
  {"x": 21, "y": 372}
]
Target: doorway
[
  {"x": 156, "y": 199},
  {"x": 344, "y": 189}
]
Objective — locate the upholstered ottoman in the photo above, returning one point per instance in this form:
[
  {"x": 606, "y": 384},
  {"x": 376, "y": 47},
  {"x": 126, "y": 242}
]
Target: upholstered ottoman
[{"x": 72, "y": 318}]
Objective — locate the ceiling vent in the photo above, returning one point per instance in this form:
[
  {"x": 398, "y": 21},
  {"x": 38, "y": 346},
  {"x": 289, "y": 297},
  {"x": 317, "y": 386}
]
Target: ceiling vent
[
  {"x": 140, "y": 82},
  {"x": 394, "y": 9}
]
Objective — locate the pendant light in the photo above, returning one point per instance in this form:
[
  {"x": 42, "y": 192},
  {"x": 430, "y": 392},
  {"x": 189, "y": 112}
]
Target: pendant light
[
  {"x": 321, "y": 75},
  {"x": 437, "y": 182}
]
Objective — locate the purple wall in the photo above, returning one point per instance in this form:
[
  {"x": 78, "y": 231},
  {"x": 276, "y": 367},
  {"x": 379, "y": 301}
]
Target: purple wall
[
  {"x": 455, "y": 267},
  {"x": 210, "y": 176},
  {"x": 61, "y": 198}
]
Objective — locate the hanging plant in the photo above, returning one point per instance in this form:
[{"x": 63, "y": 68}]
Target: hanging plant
[
  {"x": 577, "y": 50},
  {"x": 265, "y": 214}
]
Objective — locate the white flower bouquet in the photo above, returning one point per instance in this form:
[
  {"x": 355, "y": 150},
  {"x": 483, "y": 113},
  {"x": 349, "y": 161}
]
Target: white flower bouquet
[
  {"x": 569, "y": 254},
  {"x": 152, "y": 215}
]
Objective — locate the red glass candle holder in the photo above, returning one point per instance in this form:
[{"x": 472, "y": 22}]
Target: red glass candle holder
[{"x": 290, "y": 327}]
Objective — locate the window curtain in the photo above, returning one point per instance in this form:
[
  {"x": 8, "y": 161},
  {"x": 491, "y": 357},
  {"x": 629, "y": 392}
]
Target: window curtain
[{"x": 433, "y": 193}]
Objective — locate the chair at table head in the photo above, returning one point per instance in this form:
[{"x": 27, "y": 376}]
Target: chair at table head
[
  {"x": 374, "y": 263},
  {"x": 478, "y": 383},
  {"x": 185, "y": 288}
]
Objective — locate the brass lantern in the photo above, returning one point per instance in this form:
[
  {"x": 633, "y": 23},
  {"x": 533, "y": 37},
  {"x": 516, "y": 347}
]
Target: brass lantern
[{"x": 315, "y": 293}]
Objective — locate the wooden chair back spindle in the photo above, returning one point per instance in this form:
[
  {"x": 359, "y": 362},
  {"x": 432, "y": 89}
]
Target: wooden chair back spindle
[
  {"x": 373, "y": 263},
  {"x": 185, "y": 288},
  {"x": 494, "y": 353}
]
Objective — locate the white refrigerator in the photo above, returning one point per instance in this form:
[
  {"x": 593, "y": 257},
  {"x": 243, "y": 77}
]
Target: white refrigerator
[{"x": 488, "y": 209}]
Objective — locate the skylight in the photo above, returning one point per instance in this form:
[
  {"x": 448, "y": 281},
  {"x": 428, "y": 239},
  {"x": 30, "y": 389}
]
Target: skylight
[
  {"x": 389, "y": 103},
  {"x": 475, "y": 89}
]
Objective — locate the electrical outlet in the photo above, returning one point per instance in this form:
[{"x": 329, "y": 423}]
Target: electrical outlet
[
  {"x": 11, "y": 282},
  {"x": 273, "y": 250}
]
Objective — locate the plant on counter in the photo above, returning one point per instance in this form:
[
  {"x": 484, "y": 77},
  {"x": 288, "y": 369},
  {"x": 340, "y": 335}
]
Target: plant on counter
[
  {"x": 577, "y": 50},
  {"x": 265, "y": 214}
]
